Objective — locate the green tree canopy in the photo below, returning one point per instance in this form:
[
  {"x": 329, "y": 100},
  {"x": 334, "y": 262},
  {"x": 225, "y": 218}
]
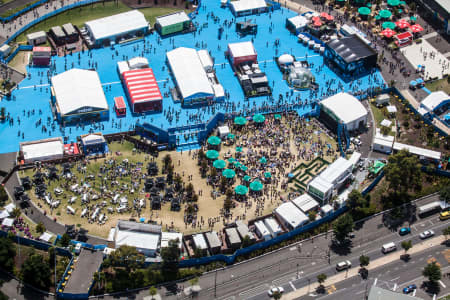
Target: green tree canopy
[
  {"x": 171, "y": 257},
  {"x": 65, "y": 240},
  {"x": 446, "y": 232},
  {"x": 444, "y": 194},
  {"x": 128, "y": 257},
  {"x": 321, "y": 278},
  {"x": 355, "y": 199},
  {"x": 432, "y": 272},
  {"x": 342, "y": 227},
  {"x": 406, "y": 245},
  {"x": 36, "y": 272},
  {"x": 403, "y": 172},
  {"x": 7, "y": 254},
  {"x": 364, "y": 261},
  {"x": 152, "y": 291}
]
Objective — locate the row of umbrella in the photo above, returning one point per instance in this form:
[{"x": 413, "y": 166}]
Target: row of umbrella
[
  {"x": 388, "y": 32},
  {"x": 258, "y": 118},
  {"x": 255, "y": 186}
]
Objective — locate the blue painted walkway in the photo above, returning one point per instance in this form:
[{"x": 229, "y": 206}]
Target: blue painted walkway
[{"x": 30, "y": 104}]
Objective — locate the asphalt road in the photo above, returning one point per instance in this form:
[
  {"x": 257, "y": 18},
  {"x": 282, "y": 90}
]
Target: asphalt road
[{"x": 394, "y": 276}]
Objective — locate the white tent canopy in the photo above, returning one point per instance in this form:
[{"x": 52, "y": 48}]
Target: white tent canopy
[
  {"x": 346, "y": 108},
  {"x": 138, "y": 63},
  {"x": 291, "y": 215},
  {"x": 305, "y": 203},
  {"x": 244, "y": 5},
  {"x": 8, "y": 222},
  {"x": 189, "y": 73},
  {"x": 386, "y": 123},
  {"x": 78, "y": 89},
  {"x": 92, "y": 139},
  {"x": 171, "y": 19},
  {"x": 42, "y": 150},
  {"x": 434, "y": 100},
  {"x": 46, "y": 237},
  {"x": 391, "y": 109},
  {"x": 298, "y": 21},
  {"x": 223, "y": 131},
  {"x": 430, "y": 154},
  {"x": 241, "y": 49},
  {"x": 117, "y": 24}
]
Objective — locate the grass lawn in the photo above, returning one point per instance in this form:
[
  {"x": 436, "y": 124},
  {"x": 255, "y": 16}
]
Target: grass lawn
[
  {"x": 78, "y": 16},
  {"x": 380, "y": 114},
  {"x": 439, "y": 85}
]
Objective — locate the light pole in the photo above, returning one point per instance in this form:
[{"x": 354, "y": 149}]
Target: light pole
[{"x": 297, "y": 270}]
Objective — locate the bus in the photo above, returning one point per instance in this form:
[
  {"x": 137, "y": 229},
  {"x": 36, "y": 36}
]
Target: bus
[{"x": 430, "y": 208}]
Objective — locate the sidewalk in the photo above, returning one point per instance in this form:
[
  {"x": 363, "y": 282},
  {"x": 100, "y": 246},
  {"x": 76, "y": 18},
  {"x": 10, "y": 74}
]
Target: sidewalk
[
  {"x": 299, "y": 8},
  {"x": 373, "y": 265}
]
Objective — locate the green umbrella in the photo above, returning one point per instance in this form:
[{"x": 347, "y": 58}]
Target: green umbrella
[
  {"x": 238, "y": 149},
  {"x": 247, "y": 178},
  {"x": 256, "y": 186},
  {"x": 390, "y": 25},
  {"x": 378, "y": 17},
  {"x": 219, "y": 164},
  {"x": 268, "y": 175},
  {"x": 237, "y": 164},
  {"x": 385, "y": 14},
  {"x": 277, "y": 117},
  {"x": 341, "y": 0},
  {"x": 231, "y": 160},
  {"x": 241, "y": 190},
  {"x": 258, "y": 118},
  {"x": 228, "y": 173},
  {"x": 243, "y": 168},
  {"x": 413, "y": 18},
  {"x": 214, "y": 140},
  {"x": 364, "y": 11},
  {"x": 231, "y": 136},
  {"x": 402, "y": 2},
  {"x": 212, "y": 154},
  {"x": 393, "y": 2},
  {"x": 263, "y": 160},
  {"x": 240, "y": 121}
]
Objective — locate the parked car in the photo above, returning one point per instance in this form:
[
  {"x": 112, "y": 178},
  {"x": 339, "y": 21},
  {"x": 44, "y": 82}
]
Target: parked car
[
  {"x": 275, "y": 290},
  {"x": 445, "y": 215},
  {"x": 404, "y": 231},
  {"x": 409, "y": 288},
  {"x": 426, "y": 234},
  {"x": 343, "y": 265}
]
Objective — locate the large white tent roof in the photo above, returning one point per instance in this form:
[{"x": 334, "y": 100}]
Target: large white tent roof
[
  {"x": 45, "y": 150},
  {"x": 243, "y": 5},
  {"x": 418, "y": 151},
  {"x": 78, "y": 88},
  {"x": 345, "y": 107},
  {"x": 189, "y": 73},
  {"x": 433, "y": 100},
  {"x": 291, "y": 214},
  {"x": 142, "y": 240},
  {"x": 299, "y": 21},
  {"x": 305, "y": 202},
  {"x": 334, "y": 171},
  {"x": 117, "y": 24}
]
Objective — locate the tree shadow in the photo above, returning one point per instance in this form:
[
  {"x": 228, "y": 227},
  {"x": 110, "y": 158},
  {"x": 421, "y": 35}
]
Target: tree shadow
[
  {"x": 364, "y": 273},
  {"x": 405, "y": 257},
  {"x": 343, "y": 248},
  {"x": 431, "y": 287},
  {"x": 320, "y": 289}
]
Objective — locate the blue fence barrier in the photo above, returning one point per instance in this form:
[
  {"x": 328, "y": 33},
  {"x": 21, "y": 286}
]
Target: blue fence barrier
[
  {"x": 229, "y": 259},
  {"x": 51, "y": 14},
  {"x": 373, "y": 184},
  {"x": 14, "y": 53}
]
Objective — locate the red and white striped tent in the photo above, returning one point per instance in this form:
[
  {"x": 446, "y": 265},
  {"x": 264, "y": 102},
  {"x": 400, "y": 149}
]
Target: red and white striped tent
[{"x": 143, "y": 91}]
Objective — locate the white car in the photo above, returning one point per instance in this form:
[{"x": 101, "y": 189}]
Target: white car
[
  {"x": 343, "y": 265},
  {"x": 275, "y": 290},
  {"x": 426, "y": 234},
  {"x": 58, "y": 191}
]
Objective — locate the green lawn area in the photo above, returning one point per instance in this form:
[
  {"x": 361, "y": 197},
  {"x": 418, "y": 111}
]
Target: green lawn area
[
  {"x": 439, "y": 85},
  {"x": 380, "y": 114},
  {"x": 78, "y": 16}
]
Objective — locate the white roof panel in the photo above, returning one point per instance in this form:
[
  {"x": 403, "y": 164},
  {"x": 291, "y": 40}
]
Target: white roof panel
[
  {"x": 262, "y": 228},
  {"x": 391, "y": 109},
  {"x": 273, "y": 226},
  {"x": 205, "y": 58},
  {"x": 345, "y": 106},
  {"x": 41, "y": 151},
  {"x": 299, "y": 21},
  {"x": 46, "y": 236},
  {"x": 168, "y": 236},
  {"x": 199, "y": 241},
  {"x": 78, "y": 88},
  {"x": 354, "y": 158},
  {"x": 321, "y": 184},
  {"x": 171, "y": 19},
  {"x": 117, "y": 24},
  {"x": 138, "y": 63},
  {"x": 122, "y": 66},
  {"x": 434, "y": 99},
  {"x": 36, "y": 35},
  {"x": 305, "y": 202},
  {"x": 9, "y": 222},
  {"x": 189, "y": 73},
  {"x": 418, "y": 151},
  {"x": 244, "y": 5},
  {"x": 335, "y": 170},
  {"x": 141, "y": 240},
  {"x": 242, "y": 49},
  {"x": 291, "y": 214},
  {"x": 382, "y": 142}
]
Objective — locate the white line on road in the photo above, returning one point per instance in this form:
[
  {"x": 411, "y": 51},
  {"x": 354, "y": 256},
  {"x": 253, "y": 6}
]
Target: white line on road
[
  {"x": 254, "y": 291},
  {"x": 360, "y": 292},
  {"x": 395, "y": 287},
  {"x": 375, "y": 282},
  {"x": 441, "y": 283},
  {"x": 293, "y": 248},
  {"x": 414, "y": 292},
  {"x": 284, "y": 279},
  {"x": 292, "y": 286},
  {"x": 393, "y": 279}
]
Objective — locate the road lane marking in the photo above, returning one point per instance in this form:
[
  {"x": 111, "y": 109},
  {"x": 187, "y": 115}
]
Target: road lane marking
[
  {"x": 360, "y": 292},
  {"x": 375, "y": 282},
  {"x": 395, "y": 278},
  {"x": 441, "y": 283},
  {"x": 292, "y": 286},
  {"x": 254, "y": 291},
  {"x": 284, "y": 279},
  {"x": 293, "y": 248},
  {"x": 414, "y": 292},
  {"x": 395, "y": 287}
]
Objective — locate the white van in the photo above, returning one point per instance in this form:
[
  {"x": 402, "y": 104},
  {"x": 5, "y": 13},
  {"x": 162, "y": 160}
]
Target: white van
[
  {"x": 343, "y": 265},
  {"x": 389, "y": 247}
]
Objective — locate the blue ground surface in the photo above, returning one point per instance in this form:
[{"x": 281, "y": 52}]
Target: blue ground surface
[{"x": 34, "y": 92}]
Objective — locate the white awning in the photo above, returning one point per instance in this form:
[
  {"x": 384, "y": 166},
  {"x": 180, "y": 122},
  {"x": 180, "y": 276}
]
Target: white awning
[{"x": 386, "y": 123}]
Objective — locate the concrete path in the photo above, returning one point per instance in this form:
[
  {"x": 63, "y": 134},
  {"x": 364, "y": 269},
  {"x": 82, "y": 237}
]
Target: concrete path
[{"x": 373, "y": 265}]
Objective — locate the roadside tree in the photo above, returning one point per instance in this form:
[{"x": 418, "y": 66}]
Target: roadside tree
[
  {"x": 403, "y": 172},
  {"x": 432, "y": 272},
  {"x": 364, "y": 261},
  {"x": 406, "y": 245},
  {"x": 36, "y": 272},
  {"x": 342, "y": 227},
  {"x": 170, "y": 256},
  {"x": 7, "y": 254}
]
